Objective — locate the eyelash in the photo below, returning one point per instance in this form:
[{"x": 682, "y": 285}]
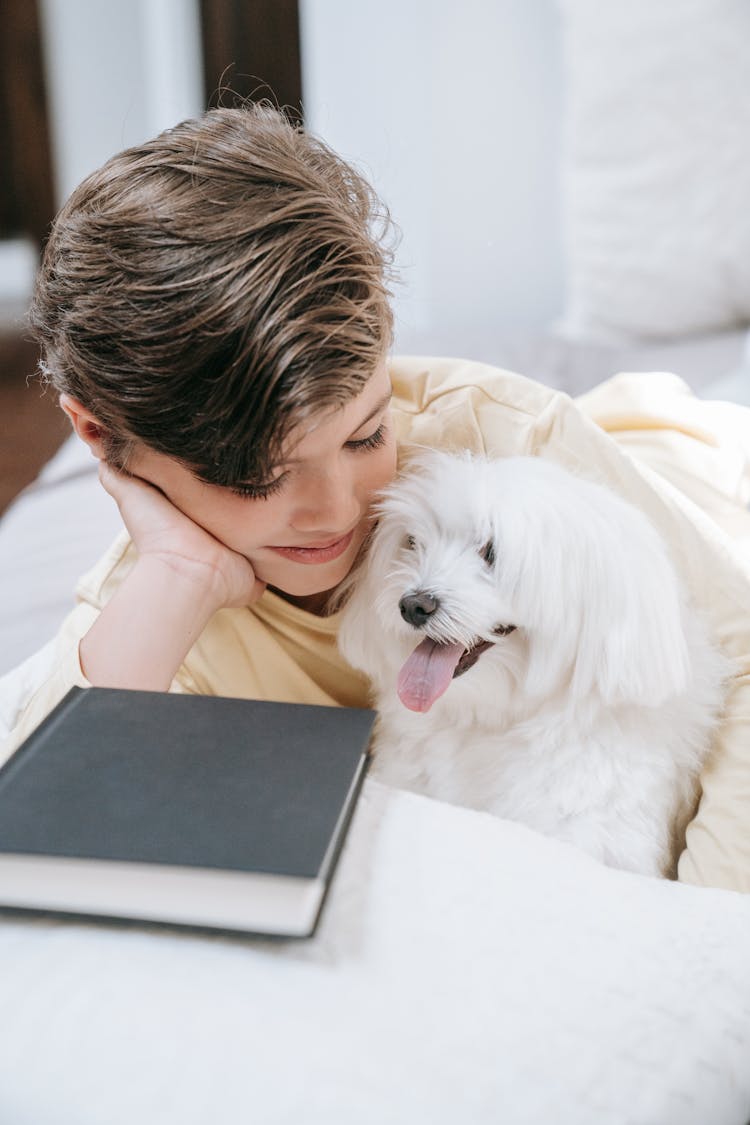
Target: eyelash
[
  {"x": 264, "y": 491},
  {"x": 375, "y": 440},
  {"x": 259, "y": 491}
]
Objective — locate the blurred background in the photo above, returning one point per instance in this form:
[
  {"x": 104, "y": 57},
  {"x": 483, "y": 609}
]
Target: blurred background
[{"x": 570, "y": 177}]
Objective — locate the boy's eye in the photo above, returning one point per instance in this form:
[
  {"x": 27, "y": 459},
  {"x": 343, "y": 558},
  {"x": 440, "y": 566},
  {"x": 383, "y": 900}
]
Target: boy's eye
[
  {"x": 263, "y": 491},
  {"x": 259, "y": 491},
  {"x": 372, "y": 442}
]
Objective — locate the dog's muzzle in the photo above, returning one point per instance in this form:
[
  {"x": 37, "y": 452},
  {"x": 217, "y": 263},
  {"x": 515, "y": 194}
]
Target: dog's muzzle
[
  {"x": 416, "y": 608},
  {"x": 426, "y": 674}
]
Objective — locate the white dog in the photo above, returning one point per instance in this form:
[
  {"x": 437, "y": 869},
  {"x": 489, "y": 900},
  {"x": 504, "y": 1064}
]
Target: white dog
[{"x": 532, "y": 654}]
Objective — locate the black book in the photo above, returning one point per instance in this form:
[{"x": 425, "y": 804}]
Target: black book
[{"x": 181, "y": 809}]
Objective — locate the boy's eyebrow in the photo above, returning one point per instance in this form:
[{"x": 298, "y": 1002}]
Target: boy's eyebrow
[
  {"x": 379, "y": 405},
  {"x": 377, "y": 408}
]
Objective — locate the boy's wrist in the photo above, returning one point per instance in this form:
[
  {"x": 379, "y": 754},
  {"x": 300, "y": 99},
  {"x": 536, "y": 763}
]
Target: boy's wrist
[
  {"x": 196, "y": 585},
  {"x": 145, "y": 631}
]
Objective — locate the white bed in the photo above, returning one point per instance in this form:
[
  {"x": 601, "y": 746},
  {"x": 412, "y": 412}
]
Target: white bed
[{"x": 490, "y": 975}]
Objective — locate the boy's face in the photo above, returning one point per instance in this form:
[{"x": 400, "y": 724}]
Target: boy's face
[{"x": 304, "y": 536}]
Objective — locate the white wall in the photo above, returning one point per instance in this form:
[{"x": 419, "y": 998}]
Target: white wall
[
  {"x": 118, "y": 71},
  {"x": 454, "y": 111}
]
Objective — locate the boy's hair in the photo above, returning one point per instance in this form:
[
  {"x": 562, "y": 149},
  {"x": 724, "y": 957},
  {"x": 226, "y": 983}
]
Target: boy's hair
[{"x": 208, "y": 291}]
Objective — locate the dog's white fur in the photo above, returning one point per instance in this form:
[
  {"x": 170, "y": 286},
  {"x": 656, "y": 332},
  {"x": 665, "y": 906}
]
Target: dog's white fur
[{"x": 591, "y": 720}]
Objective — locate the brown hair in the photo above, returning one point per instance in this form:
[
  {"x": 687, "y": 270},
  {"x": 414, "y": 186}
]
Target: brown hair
[{"x": 208, "y": 291}]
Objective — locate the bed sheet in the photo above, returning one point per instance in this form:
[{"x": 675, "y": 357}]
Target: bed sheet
[{"x": 465, "y": 969}]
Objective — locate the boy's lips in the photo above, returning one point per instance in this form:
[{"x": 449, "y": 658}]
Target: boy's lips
[{"x": 319, "y": 552}]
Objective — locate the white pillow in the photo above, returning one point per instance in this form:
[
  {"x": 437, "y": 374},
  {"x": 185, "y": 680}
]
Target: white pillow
[{"x": 657, "y": 167}]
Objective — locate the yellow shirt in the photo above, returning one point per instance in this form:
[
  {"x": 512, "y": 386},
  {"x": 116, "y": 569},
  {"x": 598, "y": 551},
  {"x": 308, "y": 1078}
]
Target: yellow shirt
[{"x": 684, "y": 462}]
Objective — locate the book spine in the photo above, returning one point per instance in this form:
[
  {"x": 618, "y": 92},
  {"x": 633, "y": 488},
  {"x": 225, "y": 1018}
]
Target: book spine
[
  {"x": 330, "y": 860},
  {"x": 347, "y": 811},
  {"x": 40, "y": 733}
]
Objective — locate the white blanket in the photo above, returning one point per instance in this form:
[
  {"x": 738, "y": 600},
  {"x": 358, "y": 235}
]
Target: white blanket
[{"x": 465, "y": 970}]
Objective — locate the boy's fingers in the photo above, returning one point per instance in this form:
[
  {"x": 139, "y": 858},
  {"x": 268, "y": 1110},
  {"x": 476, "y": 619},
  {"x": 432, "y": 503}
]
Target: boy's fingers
[
  {"x": 112, "y": 481},
  {"x": 120, "y": 485},
  {"x": 107, "y": 477}
]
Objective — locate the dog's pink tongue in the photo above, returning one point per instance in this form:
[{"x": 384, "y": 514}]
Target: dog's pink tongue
[{"x": 427, "y": 673}]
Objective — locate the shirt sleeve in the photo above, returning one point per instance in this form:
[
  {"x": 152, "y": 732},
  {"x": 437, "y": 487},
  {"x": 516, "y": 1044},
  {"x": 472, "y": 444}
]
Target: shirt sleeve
[
  {"x": 29, "y": 692},
  {"x": 696, "y": 457},
  {"x": 651, "y": 462}
]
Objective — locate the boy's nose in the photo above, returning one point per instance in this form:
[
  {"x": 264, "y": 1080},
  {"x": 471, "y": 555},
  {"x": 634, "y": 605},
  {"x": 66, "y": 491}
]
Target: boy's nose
[{"x": 331, "y": 506}]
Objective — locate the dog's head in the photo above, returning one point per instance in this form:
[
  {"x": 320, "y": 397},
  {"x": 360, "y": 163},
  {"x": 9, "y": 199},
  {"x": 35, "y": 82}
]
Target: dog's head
[{"x": 514, "y": 563}]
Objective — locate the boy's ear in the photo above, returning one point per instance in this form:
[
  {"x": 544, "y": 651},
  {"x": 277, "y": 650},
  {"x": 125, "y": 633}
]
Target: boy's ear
[{"x": 85, "y": 424}]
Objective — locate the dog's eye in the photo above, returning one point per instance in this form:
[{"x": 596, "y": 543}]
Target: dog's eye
[
  {"x": 410, "y": 542},
  {"x": 488, "y": 553}
]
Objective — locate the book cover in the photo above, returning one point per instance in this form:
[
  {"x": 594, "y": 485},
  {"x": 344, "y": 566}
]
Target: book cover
[{"x": 181, "y": 809}]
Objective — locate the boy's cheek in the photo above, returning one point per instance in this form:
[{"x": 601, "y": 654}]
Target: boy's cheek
[{"x": 388, "y": 465}]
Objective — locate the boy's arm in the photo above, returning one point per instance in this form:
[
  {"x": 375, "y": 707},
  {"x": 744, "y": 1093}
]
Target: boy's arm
[
  {"x": 183, "y": 575},
  {"x": 145, "y": 631},
  {"x": 140, "y": 636}
]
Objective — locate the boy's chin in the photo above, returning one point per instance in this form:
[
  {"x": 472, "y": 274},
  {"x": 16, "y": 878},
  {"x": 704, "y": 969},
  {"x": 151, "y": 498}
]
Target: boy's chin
[
  {"x": 320, "y": 581},
  {"x": 305, "y": 580}
]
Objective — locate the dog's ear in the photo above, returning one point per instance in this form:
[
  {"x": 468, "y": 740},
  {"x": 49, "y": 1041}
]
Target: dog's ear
[
  {"x": 357, "y": 625},
  {"x": 362, "y": 638},
  {"x": 632, "y": 644}
]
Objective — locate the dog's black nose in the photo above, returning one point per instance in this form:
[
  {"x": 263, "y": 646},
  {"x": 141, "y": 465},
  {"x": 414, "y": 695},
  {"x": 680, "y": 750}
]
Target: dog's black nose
[{"x": 416, "y": 608}]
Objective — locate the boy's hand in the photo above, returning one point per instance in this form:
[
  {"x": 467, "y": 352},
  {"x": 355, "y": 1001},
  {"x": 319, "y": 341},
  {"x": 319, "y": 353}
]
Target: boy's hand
[{"x": 161, "y": 531}]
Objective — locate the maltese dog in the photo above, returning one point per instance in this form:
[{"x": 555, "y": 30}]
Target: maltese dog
[{"x": 532, "y": 654}]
